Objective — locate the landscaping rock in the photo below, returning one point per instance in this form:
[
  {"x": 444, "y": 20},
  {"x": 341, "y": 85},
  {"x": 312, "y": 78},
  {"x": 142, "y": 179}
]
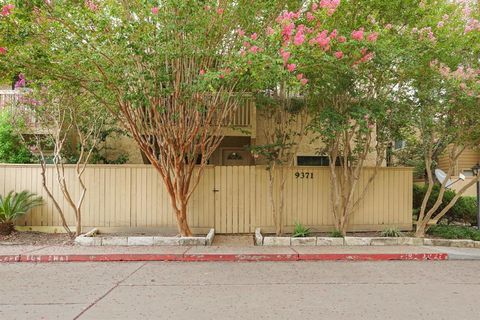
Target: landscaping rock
[
  {"x": 307, "y": 241},
  {"x": 210, "y": 236},
  {"x": 276, "y": 241},
  {"x": 477, "y": 244},
  {"x": 88, "y": 241},
  {"x": 410, "y": 241},
  {"x": 193, "y": 241},
  {"x": 330, "y": 241},
  {"x": 166, "y": 241},
  {"x": 114, "y": 241},
  {"x": 258, "y": 237},
  {"x": 384, "y": 241},
  {"x": 358, "y": 241},
  {"x": 140, "y": 241},
  {"x": 436, "y": 242},
  {"x": 462, "y": 243}
]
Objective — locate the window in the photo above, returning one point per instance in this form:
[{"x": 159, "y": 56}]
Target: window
[
  {"x": 313, "y": 161},
  {"x": 399, "y": 144}
]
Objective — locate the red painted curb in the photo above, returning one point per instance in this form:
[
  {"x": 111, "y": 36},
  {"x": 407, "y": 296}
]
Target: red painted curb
[
  {"x": 100, "y": 257},
  {"x": 240, "y": 257},
  {"x": 10, "y": 258},
  {"x": 372, "y": 257},
  {"x": 224, "y": 257}
]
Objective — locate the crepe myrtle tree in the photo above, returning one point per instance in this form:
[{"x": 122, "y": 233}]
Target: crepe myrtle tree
[
  {"x": 62, "y": 127},
  {"x": 344, "y": 74},
  {"x": 444, "y": 72},
  {"x": 170, "y": 71}
]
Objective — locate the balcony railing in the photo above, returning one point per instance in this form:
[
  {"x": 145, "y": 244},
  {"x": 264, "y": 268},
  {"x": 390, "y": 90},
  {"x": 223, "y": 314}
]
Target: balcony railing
[
  {"x": 243, "y": 118},
  {"x": 9, "y": 98}
]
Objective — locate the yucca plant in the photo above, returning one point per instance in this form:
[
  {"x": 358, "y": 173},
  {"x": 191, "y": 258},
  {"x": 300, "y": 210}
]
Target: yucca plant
[
  {"x": 300, "y": 231},
  {"x": 15, "y": 205}
]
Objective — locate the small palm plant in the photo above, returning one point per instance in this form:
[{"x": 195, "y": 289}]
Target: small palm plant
[{"x": 14, "y": 206}]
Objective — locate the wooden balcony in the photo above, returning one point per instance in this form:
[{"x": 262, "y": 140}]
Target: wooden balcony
[{"x": 240, "y": 123}]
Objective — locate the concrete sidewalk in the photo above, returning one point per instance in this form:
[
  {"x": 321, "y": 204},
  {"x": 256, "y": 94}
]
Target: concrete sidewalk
[{"x": 14, "y": 253}]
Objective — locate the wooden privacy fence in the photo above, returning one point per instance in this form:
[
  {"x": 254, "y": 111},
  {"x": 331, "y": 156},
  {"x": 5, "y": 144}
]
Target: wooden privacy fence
[{"x": 232, "y": 199}]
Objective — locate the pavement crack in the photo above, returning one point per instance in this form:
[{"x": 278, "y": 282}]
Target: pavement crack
[{"x": 109, "y": 291}]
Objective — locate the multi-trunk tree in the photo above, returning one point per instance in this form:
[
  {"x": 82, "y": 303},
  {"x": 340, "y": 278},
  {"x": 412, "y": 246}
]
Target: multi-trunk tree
[
  {"x": 62, "y": 128},
  {"x": 170, "y": 71},
  {"x": 444, "y": 80}
]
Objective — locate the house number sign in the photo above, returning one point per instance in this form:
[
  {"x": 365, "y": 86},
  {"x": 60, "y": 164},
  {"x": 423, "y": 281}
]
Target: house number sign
[{"x": 304, "y": 175}]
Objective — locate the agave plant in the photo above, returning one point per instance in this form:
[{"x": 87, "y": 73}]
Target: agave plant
[{"x": 14, "y": 206}]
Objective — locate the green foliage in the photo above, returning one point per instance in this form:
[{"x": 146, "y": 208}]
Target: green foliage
[
  {"x": 300, "y": 231},
  {"x": 336, "y": 234},
  {"x": 391, "y": 232},
  {"x": 12, "y": 148},
  {"x": 454, "y": 232},
  {"x": 15, "y": 205},
  {"x": 464, "y": 210}
]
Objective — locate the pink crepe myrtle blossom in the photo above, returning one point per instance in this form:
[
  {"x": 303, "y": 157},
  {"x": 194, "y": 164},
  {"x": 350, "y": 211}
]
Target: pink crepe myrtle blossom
[
  {"x": 240, "y": 32},
  {"x": 202, "y": 72},
  {"x": 254, "y": 49},
  {"x": 21, "y": 81},
  {"x": 254, "y": 36},
  {"x": 300, "y": 76},
  {"x": 333, "y": 34},
  {"x": 338, "y": 55},
  {"x": 372, "y": 37},
  {"x": 287, "y": 31},
  {"x": 285, "y": 55},
  {"x": 220, "y": 11},
  {"x": 367, "y": 57},
  {"x": 7, "y": 9},
  {"x": 310, "y": 16},
  {"x": 314, "y": 6},
  {"x": 291, "y": 67},
  {"x": 3, "y": 51},
  {"x": 207, "y": 8},
  {"x": 357, "y": 34},
  {"x": 341, "y": 39},
  {"x": 91, "y": 5},
  {"x": 299, "y": 38},
  {"x": 155, "y": 10},
  {"x": 221, "y": 76},
  {"x": 304, "y": 81},
  {"x": 246, "y": 44},
  {"x": 270, "y": 31},
  {"x": 331, "y": 11}
]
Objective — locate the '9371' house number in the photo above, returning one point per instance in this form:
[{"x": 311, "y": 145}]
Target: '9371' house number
[{"x": 304, "y": 175}]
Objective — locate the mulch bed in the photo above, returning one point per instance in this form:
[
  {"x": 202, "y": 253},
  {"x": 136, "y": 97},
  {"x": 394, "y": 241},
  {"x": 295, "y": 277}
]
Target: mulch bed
[{"x": 36, "y": 239}]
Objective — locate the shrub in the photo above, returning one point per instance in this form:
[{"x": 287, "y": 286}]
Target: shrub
[
  {"x": 464, "y": 210},
  {"x": 391, "y": 232},
  {"x": 336, "y": 234},
  {"x": 300, "y": 231},
  {"x": 12, "y": 148},
  {"x": 454, "y": 232},
  {"x": 16, "y": 205}
]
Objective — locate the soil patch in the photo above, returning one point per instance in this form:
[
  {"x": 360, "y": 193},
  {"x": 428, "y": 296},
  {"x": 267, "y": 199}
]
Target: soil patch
[{"x": 36, "y": 239}]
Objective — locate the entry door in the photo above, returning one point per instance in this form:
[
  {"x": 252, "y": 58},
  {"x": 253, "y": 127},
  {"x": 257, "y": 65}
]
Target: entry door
[{"x": 234, "y": 199}]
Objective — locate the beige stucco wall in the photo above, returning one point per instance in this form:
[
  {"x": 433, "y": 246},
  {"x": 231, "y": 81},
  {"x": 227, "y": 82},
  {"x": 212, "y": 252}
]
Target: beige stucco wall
[{"x": 309, "y": 146}]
